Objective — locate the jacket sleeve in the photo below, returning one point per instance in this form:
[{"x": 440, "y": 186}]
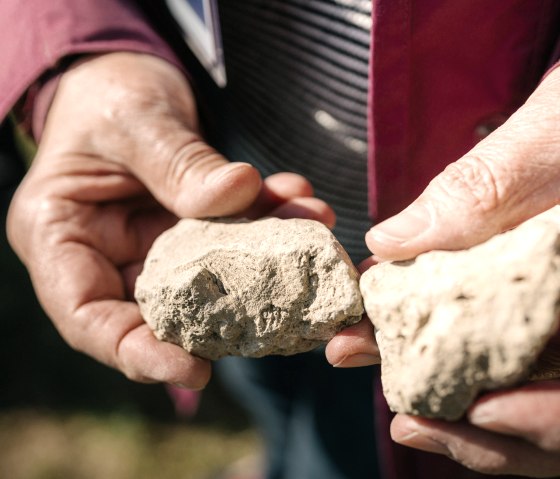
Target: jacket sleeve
[{"x": 35, "y": 35}]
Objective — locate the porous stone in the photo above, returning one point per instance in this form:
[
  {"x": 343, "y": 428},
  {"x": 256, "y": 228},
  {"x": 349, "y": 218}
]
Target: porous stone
[
  {"x": 452, "y": 324},
  {"x": 248, "y": 288}
]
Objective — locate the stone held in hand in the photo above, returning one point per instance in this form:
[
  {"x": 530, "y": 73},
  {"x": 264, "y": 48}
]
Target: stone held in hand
[
  {"x": 248, "y": 288},
  {"x": 451, "y": 324}
]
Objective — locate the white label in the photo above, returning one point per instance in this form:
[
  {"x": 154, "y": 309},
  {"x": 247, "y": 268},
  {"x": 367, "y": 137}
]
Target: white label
[{"x": 200, "y": 23}]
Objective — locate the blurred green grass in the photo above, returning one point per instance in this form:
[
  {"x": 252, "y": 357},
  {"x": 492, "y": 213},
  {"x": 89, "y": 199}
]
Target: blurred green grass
[
  {"x": 63, "y": 415},
  {"x": 40, "y": 445}
]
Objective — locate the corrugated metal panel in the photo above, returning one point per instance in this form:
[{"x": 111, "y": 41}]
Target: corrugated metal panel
[{"x": 296, "y": 97}]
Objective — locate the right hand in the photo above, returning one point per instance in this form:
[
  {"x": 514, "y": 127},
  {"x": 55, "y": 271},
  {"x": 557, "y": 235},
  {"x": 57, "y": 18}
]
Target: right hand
[{"x": 119, "y": 161}]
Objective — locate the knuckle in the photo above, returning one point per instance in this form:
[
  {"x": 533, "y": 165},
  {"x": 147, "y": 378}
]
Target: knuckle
[
  {"x": 27, "y": 217},
  {"x": 160, "y": 89},
  {"x": 143, "y": 121},
  {"x": 130, "y": 97},
  {"x": 22, "y": 201},
  {"x": 472, "y": 182},
  {"x": 15, "y": 223},
  {"x": 54, "y": 221},
  {"x": 71, "y": 332},
  {"x": 188, "y": 161},
  {"x": 73, "y": 340}
]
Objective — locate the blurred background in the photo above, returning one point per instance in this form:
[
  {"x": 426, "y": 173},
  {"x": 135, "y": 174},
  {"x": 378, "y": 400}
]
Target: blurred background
[{"x": 62, "y": 415}]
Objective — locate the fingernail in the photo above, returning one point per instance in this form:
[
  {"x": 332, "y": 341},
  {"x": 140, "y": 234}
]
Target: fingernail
[
  {"x": 412, "y": 222},
  {"x": 220, "y": 174},
  {"x": 482, "y": 414},
  {"x": 417, "y": 440},
  {"x": 357, "y": 360}
]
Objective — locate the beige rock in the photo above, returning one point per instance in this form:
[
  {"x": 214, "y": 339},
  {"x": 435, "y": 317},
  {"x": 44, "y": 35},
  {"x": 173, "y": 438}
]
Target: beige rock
[
  {"x": 452, "y": 324},
  {"x": 248, "y": 288}
]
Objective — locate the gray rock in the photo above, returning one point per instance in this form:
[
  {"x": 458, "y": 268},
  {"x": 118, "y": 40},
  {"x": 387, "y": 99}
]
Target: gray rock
[
  {"x": 251, "y": 289},
  {"x": 452, "y": 324}
]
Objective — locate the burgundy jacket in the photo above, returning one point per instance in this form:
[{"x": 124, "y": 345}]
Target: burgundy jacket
[{"x": 444, "y": 73}]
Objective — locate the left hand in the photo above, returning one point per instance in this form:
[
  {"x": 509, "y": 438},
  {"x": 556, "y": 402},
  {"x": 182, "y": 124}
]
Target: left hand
[{"x": 509, "y": 177}]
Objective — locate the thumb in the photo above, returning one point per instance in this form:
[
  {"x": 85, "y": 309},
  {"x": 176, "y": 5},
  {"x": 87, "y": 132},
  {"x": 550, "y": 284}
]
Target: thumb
[
  {"x": 170, "y": 157},
  {"x": 506, "y": 179},
  {"x": 193, "y": 180},
  {"x": 141, "y": 113}
]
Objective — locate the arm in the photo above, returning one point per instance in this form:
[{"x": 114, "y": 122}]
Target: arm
[{"x": 38, "y": 35}]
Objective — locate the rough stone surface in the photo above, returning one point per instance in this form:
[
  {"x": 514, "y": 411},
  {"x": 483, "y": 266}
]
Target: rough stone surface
[
  {"x": 245, "y": 288},
  {"x": 452, "y": 324}
]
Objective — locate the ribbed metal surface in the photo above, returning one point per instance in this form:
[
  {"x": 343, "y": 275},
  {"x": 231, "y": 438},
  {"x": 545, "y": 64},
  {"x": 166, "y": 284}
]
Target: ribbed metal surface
[{"x": 296, "y": 97}]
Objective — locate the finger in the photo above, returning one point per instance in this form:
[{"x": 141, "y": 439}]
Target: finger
[
  {"x": 197, "y": 182},
  {"x": 276, "y": 190},
  {"x": 142, "y": 116},
  {"x": 124, "y": 341},
  {"x": 123, "y": 231},
  {"x": 531, "y": 412},
  {"x": 474, "y": 448},
  {"x": 306, "y": 208},
  {"x": 139, "y": 355},
  {"x": 354, "y": 346},
  {"x": 367, "y": 264},
  {"x": 84, "y": 293},
  {"x": 185, "y": 174},
  {"x": 511, "y": 176}
]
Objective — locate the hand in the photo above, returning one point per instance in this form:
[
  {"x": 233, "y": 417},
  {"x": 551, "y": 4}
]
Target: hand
[
  {"x": 506, "y": 179},
  {"x": 119, "y": 160},
  {"x": 355, "y": 346},
  {"x": 508, "y": 432}
]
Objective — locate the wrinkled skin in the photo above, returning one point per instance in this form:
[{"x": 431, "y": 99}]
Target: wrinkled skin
[
  {"x": 119, "y": 161},
  {"x": 506, "y": 179}
]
